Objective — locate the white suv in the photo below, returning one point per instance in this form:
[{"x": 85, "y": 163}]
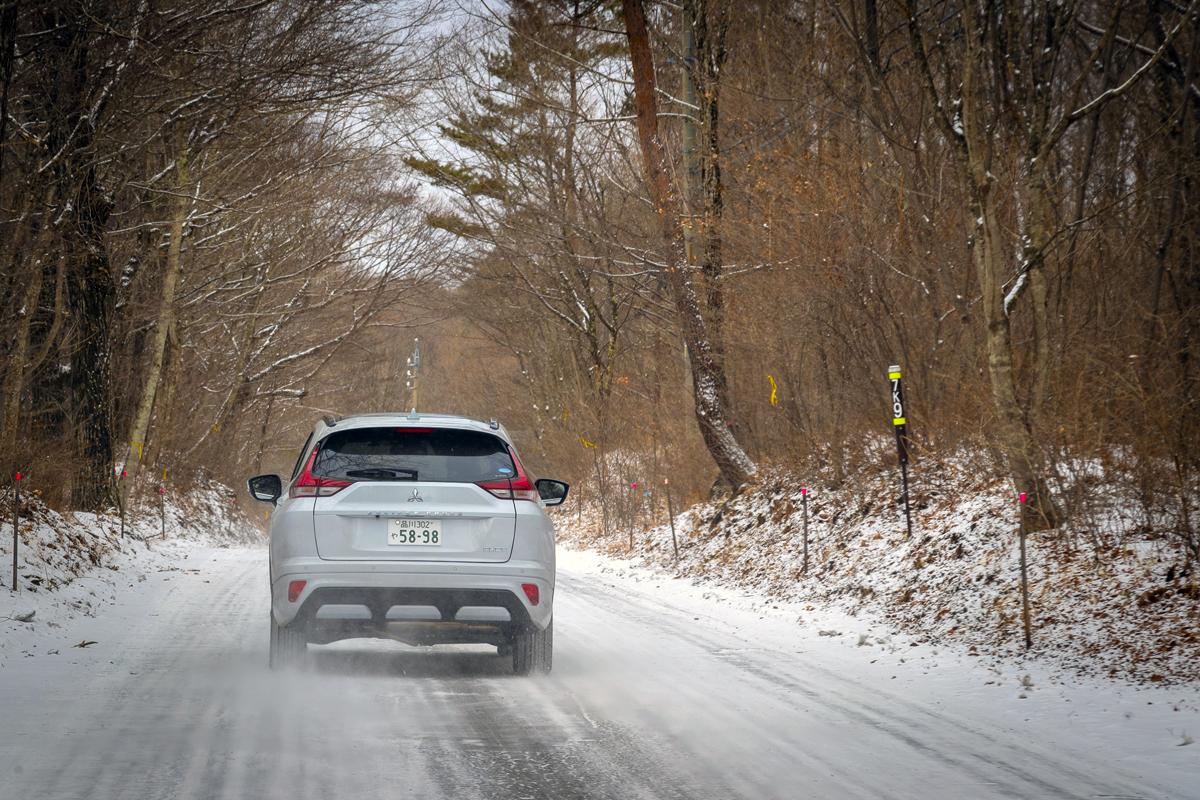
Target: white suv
[{"x": 421, "y": 528}]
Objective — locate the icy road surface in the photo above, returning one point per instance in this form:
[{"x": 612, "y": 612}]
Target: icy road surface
[{"x": 657, "y": 692}]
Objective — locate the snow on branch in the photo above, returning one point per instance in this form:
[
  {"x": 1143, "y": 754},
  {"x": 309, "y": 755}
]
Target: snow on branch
[
  {"x": 1014, "y": 293},
  {"x": 1114, "y": 92}
]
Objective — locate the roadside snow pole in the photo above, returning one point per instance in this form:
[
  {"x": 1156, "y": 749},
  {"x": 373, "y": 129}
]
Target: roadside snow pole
[
  {"x": 162, "y": 510},
  {"x": 804, "y": 505},
  {"x": 900, "y": 425},
  {"x": 632, "y": 512},
  {"x": 1026, "y": 619},
  {"x": 16, "y": 526},
  {"x": 121, "y": 501},
  {"x": 671, "y": 517}
]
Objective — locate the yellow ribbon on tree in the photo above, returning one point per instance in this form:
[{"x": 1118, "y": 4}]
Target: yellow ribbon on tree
[
  {"x": 586, "y": 443},
  {"x": 774, "y": 390}
]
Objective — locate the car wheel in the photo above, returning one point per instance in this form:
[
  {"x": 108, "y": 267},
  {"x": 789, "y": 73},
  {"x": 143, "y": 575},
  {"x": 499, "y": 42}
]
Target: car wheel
[
  {"x": 533, "y": 650},
  {"x": 288, "y": 644}
]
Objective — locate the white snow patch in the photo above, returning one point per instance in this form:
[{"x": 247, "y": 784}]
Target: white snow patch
[{"x": 74, "y": 565}]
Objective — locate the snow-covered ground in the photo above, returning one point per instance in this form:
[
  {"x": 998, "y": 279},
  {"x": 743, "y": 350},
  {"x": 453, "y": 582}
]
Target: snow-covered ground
[
  {"x": 1107, "y": 599},
  {"x": 74, "y": 565},
  {"x": 662, "y": 688}
]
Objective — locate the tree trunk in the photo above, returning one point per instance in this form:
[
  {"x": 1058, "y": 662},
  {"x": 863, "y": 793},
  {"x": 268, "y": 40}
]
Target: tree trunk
[
  {"x": 165, "y": 399},
  {"x": 166, "y": 320},
  {"x": 80, "y": 222},
  {"x": 707, "y": 375},
  {"x": 263, "y": 429},
  {"x": 704, "y": 55},
  {"x": 1037, "y": 240},
  {"x": 8, "y": 49},
  {"x": 1024, "y": 461},
  {"x": 92, "y": 293},
  {"x": 19, "y": 361},
  {"x": 14, "y": 378},
  {"x": 1014, "y": 436}
]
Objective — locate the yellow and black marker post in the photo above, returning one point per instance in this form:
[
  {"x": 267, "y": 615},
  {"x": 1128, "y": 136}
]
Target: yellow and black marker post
[{"x": 900, "y": 425}]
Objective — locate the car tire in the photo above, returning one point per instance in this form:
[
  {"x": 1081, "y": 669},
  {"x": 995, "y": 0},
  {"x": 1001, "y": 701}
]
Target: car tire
[
  {"x": 288, "y": 645},
  {"x": 533, "y": 650}
]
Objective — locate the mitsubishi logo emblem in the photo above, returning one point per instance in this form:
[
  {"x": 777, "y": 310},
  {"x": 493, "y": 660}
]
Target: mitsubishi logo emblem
[{"x": 415, "y": 497}]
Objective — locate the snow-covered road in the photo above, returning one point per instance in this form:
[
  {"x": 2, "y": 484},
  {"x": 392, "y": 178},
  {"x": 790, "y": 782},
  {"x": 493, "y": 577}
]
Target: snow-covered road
[{"x": 656, "y": 693}]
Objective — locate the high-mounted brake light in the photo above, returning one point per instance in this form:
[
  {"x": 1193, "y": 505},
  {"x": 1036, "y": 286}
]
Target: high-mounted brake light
[
  {"x": 517, "y": 488},
  {"x": 309, "y": 485},
  {"x": 413, "y": 430}
]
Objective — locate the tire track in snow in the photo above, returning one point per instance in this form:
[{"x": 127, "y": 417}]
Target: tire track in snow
[
  {"x": 927, "y": 736},
  {"x": 643, "y": 703},
  {"x": 738, "y": 751},
  {"x": 118, "y": 706}
]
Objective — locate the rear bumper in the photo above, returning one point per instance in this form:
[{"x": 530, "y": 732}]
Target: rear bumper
[{"x": 380, "y": 586}]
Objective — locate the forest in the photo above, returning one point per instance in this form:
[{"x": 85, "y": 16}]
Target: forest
[{"x": 657, "y": 240}]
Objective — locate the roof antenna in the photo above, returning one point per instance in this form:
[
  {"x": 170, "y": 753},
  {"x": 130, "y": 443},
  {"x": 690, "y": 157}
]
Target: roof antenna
[
  {"x": 493, "y": 424},
  {"x": 413, "y": 414}
]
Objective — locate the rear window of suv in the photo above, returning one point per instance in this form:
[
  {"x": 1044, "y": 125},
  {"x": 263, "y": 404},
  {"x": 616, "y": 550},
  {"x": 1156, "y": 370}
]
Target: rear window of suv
[{"x": 413, "y": 454}]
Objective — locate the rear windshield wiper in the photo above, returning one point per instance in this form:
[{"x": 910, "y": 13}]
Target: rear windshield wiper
[{"x": 379, "y": 474}]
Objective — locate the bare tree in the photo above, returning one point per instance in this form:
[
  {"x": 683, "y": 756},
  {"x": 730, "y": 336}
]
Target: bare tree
[{"x": 707, "y": 375}]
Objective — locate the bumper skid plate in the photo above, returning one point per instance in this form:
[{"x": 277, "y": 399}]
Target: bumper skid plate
[{"x": 379, "y": 601}]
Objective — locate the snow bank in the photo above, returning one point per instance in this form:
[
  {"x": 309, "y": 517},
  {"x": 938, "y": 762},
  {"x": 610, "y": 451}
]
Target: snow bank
[
  {"x": 1107, "y": 599},
  {"x": 73, "y": 565}
]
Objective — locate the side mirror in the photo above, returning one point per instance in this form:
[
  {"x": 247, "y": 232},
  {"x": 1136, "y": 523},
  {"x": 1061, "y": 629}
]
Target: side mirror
[
  {"x": 267, "y": 488},
  {"x": 552, "y": 492}
]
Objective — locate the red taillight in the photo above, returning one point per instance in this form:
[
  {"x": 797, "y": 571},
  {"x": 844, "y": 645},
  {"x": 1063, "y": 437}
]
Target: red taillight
[
  {"x": 296, "y": 587},
  {"x": 309, "y": 485},
  {"x": 519, "y": 488},
  {"x": 531, "y": 591}
]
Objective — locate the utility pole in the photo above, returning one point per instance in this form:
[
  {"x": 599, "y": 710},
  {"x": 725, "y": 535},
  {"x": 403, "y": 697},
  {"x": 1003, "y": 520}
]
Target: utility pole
[{"x": 411, "y": 373}]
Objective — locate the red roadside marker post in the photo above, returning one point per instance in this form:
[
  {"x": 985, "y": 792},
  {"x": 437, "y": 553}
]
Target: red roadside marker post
[
  {"x": 804, "y": 505},
  {"x": 1026, "y": 617},
  {"x": 671, "y": 518},
  {"x": 16, "y": 527}
]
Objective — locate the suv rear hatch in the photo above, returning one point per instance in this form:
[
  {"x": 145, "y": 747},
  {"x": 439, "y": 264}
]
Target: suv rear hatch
[{"x": 408, "y": 493}]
